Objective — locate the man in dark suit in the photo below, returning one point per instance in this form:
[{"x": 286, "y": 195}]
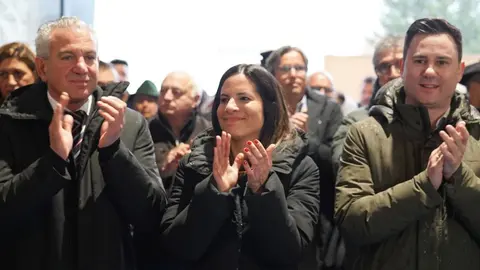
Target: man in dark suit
[
  {"x": 77, "y": 168},
  {"x": 316, "y": 114}
]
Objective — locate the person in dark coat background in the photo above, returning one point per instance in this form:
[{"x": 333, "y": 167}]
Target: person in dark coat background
[
  {"x": 176, "y": 124},
  {"x": 77, "y": 168},
  {"x": 317, "y": 115},
  {"x": 121, "y": 67},
  {"x": 265, "y": 56},
  {"x": 145, "y": 100},
  {"x": 387, "y": 59},
  {"x": 471, "y": 79},
  {"x": 247, "y": 196}
]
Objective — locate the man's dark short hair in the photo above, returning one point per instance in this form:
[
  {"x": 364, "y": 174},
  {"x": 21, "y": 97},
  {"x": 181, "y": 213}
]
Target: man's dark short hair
[
  {"x": 119, "y": 62},
  {"x": 433, "y": 26},
  {"x": 369, "y": 80}
]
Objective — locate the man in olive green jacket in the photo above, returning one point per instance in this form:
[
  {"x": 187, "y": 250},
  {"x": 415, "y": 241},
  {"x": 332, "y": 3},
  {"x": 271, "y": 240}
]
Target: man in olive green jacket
[{"x": 408, "y": 190}]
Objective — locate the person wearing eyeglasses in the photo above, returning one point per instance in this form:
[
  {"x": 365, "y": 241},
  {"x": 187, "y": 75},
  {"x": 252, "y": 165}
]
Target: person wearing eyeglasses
[
  {"x": 17, "y": 68},
  {"x": 387, "y": 59},
  {"x": 318, "y": 115}
]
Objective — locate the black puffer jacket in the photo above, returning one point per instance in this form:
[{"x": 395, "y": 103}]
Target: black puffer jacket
[{"x": 208, "y": 229}]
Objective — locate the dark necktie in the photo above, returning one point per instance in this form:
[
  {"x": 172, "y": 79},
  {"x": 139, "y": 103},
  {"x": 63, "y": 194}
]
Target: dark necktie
[
  {"x": 79, "y": 118},
  {"x": 71, "y": 190}
]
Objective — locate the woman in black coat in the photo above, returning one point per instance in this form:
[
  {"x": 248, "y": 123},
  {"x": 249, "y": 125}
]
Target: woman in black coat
[{"x": 247, "y": 196}]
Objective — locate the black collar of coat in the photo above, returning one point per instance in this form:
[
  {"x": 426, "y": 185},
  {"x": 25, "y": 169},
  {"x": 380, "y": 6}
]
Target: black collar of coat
[
  {"x": 389, "y": 104},
  {"x": 31, "y": 101},
  {"x": 285, "y": 156},
  {"x": 376, "y": 87},
  {"x": 162, "y": 121}
]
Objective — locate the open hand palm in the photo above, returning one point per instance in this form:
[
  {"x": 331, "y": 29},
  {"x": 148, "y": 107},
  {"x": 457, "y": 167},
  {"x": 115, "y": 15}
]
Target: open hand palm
[{"x": 225, "y": 175}]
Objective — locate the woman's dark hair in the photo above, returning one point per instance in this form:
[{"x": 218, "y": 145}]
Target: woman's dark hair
[
  {"x": 276, "y": 124},
  {"x": 429, "y": 26}
]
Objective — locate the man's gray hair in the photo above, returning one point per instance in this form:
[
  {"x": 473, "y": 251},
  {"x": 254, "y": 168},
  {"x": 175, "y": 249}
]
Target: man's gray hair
[
  {"x": 390, "y": 42},
  {"x": 193, "y": 87},
  {"x": 44, "y": 33}
]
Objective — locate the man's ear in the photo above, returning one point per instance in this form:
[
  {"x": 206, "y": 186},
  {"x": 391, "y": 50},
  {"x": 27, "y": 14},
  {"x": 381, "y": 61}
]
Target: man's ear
[{"x": 41, "y": 68}]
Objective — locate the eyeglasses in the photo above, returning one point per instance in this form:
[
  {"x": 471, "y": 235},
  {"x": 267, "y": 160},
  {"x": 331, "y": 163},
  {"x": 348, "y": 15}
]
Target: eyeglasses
[
  {"x": 384, "y": 68},
  {"x": 287, "y": 68}
]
